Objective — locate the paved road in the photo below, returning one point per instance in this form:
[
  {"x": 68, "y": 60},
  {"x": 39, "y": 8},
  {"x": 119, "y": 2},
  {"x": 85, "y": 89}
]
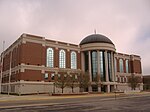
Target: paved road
[{"x": 91, "y": 104}]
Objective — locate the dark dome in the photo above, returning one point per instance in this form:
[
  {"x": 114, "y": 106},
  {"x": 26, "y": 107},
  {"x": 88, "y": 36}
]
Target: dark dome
[{"x": 96, "y": 38}]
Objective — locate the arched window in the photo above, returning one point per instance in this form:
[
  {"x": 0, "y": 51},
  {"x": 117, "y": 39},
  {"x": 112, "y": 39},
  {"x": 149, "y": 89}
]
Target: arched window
[
  {"x": 115, "y": 61},
  {"x": 62, "y": 59},
  {"x": 50, "y": 57},
  {"x": 73, "y": 60},
  {"x": 127, "y": 66},
  {"x": 121, "y": 65}
]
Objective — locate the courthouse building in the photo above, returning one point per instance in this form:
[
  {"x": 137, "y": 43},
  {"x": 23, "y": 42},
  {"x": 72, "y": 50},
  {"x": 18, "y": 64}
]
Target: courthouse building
[{"x": 31, "y": 63}]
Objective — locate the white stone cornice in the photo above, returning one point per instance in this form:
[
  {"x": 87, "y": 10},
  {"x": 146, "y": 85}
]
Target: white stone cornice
[
  {"x": 13, "y": 46},
  {"x": 34, "y": 67},
  {"x": 16, "y": 68},
  {"x": 122, "y": 56},
  {"x": 97, "y": 46}
]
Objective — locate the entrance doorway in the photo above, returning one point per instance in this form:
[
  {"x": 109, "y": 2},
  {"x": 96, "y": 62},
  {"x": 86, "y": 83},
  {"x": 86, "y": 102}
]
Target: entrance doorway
[
  {"x": 94, "y": 88},
  {"x": 103, "y": 88},
  {"x": 86, "y": 89}
]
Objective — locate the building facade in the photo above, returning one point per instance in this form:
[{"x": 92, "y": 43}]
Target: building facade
[{"x": 31, "y": 63}]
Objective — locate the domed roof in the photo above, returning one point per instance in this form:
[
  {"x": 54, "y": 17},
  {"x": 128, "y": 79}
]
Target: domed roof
[{"x": 96, "y": 38}]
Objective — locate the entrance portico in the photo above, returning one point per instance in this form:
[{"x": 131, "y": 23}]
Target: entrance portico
[{"x": 98, "y": 60}]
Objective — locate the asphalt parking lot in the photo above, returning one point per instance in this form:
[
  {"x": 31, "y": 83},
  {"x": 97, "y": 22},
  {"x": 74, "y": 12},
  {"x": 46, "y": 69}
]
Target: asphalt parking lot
[{"x": 89, "y": 104}]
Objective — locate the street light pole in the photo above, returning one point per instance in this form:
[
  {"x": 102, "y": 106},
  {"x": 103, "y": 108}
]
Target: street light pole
[
  {"x": 2, "y": 59},
  {"x": 9, "y": 73}
]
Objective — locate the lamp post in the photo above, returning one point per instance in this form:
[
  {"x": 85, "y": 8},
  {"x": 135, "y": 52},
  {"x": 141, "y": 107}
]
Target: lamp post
[
  {"x": 115, "y": 90},
  {"x": 2, "y": 59},
  {"x": 9, "y": 73}
]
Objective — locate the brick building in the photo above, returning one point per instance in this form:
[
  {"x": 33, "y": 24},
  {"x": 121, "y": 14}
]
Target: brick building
[
  {"x": 146, "y": 82},
  {"x": 31, "y": 63}
]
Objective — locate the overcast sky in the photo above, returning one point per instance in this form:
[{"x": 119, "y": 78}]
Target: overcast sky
[{"x": 125, "y": 22}]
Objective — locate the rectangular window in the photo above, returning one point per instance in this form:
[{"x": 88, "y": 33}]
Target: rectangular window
[
  {"x": 109, "y": 66},
  {"x": 59, "y": 77},
  {"x": 94, "y": 64},
  {"x": 52, "y": 76},
  {"x": 76, "y": 77},
  {"x": 46, "y": 76},
  {"x": 86, "y": 60},
  {"x": 102, "y": 66},
  {"x": 116, "y": 79},
  {"x": 123, "y": 79}
]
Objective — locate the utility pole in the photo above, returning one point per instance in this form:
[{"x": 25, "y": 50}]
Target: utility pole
[
  {"x": 10, "y": 73},
  {"x": 2, "y": 59}
]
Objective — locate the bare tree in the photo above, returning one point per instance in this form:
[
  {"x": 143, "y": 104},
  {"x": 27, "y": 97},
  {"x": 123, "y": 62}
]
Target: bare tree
[
  {"x": 97, "y": 81},
  {"x": 62, "y": 82},
  {"x": 134, "y": 81},
  {"x": 72, "y": 82},
  {"x": 84, "y": 81}
]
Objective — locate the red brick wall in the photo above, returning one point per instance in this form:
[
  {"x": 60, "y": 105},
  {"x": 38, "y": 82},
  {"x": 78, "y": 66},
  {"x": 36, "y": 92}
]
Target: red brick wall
[
  {"x": 32, "y": 75},
  {"x": 117, "y": 60},
  {"x": 68, "y": 59},
  {"x": 56, "y": 58},
  {"x": 32, "y": 54},
  {"x": 78, "y": 60},
  {"x": 136, "y": 66}
]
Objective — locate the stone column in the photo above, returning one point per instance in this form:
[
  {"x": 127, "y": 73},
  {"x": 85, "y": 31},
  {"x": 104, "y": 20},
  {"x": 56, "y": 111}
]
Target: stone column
[
  {"x": 115, "y": 87},
  {"x": 99, "y": 88},
  {"x": 82, "y": 61},
  {"x": 90, "y": 74},
  {"x": 112, "y": 63},
  {"x": 108, "y": 88},
  {"x": 90, "y": 88},
  {"x": 106, "y": 66}
]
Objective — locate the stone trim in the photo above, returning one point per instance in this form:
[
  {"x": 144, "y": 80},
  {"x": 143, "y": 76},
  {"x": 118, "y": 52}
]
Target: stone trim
[{"x": 99, "y": 46}]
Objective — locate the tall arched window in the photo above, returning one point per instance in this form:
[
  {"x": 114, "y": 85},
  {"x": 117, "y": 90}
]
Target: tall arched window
[
  {"x": 121, "y": 65},
  {"x": 127, "y": 66},
  {"x": 62, "y": 59},
  {"x": 50, "y": 57},
  {"x": 102, "y": 66},
  {"x": 73, "y": 60},
  {"x": 115, "y": 60}
]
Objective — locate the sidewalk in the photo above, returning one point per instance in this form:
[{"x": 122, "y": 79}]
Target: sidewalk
[{"x": 6, "y": 98}]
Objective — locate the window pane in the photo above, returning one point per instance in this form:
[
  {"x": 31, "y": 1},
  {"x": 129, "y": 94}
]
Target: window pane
[
  {"x": 62, "y": 59},
  {"x": 52, "y": 76},
  {"x": 102, "y": 66},
  {"x": 50, "y": 57},
  {"x": 127, "y": 66},
  {"x": 46, "y": 76},
  {"x": 73, "y": 60},
  {"x": 121, "y": 65},
  {"x": 94, "y": 64},
  {"x": 86, "y": 60},
  {"x": 109, "y": 66}
]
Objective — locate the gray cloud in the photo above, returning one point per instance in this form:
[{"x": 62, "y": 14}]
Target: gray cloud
[{"x": 125, "y": 22}]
